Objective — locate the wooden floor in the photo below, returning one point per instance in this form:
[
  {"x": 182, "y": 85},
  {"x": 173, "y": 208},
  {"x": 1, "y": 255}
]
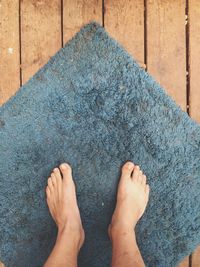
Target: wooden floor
[{"x": 163, "y": 35}]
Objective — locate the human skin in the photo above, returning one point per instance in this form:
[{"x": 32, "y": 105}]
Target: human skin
[{"x": 132, "y": 199}]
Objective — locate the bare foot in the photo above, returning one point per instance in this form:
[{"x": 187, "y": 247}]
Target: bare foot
[
  {"x": 132, "y": 199},
  {"x": 62, "y": 203}
]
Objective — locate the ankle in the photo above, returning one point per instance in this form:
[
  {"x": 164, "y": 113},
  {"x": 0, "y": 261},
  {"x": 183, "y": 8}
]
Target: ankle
[
  {"x": 63, "y": 229},
  {"x": 70, "y": 230},
  {"x": 71, "y": 236},
  {"x": 70, "y": 225},
  {"x": 120, "y": 224},
  {"x": 118, "y": 230}
]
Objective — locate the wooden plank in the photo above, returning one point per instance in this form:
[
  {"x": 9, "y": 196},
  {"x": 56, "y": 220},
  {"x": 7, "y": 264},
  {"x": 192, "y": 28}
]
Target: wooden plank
[
  {"x": 194, "y": 59},
  {"x": 40, "y": 34},
  {"x": 124, "y": 20},
  {"x": 166, "y": 50},
  {"x": 185, "y": 262},
  {"x": 166, "y": 47},
  {"x": 76, "y": 13},
  {"x": 194, "y": 82},
  {"x": 196, "y": 258},
  {"x": 9, "y": 50}
]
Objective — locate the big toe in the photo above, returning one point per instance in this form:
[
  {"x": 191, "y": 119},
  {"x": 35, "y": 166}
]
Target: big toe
[
  {"x": 66, "y": 172},
  {"x": 127, "y": 169}
]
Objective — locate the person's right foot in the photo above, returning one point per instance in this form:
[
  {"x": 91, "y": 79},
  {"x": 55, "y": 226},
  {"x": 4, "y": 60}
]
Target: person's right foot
[{"x": 132, "y": 199}]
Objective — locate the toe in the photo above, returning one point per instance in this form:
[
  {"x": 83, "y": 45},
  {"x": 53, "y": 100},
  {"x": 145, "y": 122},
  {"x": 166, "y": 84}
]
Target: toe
[
  {"x": 136, "y": 172},
  {"x": 140, "y": 178},
  {"x": 53, "y": 178},
  {"x": 66, "y": 171},
  {"x": 48, "y": 193},
  {"x": 147, "y": 190},
  {"x": 127, "y": 169},
  {"x": 57, "y": 173},
  {"x": 144, "y": 179},
  {"x": 58, "y": 176},
  {"x": 50, "y": 184}
]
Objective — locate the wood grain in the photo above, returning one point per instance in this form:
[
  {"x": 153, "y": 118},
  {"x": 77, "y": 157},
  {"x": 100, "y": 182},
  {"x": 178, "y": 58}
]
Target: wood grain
[
  {"x": 166, "y": 46},
  {"x": 76, "y": 13},
  {"x": 196, "y": 258},
  {"x": 9, "y": 49},
  {"x": 124, "y": 20},
  {"x": 185, "y": 262},
  {"x": 40, "y": 34},
  {"x": 194, "y": 58},
  {"x": 194, "y": 74}
]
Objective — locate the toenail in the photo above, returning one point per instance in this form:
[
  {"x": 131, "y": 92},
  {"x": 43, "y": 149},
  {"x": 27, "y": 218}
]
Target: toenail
[
  {"x": 55, "y": 170},
  {"x": 130, "y": 165},
  {"x": 64, "y": 165}
]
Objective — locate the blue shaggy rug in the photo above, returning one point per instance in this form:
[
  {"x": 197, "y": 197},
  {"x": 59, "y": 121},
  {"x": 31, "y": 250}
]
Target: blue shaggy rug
[{"x": 94, "y": 107}]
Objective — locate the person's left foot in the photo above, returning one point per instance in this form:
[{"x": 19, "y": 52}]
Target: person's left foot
[{"x": 62, "y": 203}]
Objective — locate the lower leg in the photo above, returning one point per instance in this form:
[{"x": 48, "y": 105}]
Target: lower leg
[
  {"x": 61, "y": 199},
  {"x": 125, "y": 250},
  {"x": 65, "y": 251},
  {"x": 132, "y": 198}
]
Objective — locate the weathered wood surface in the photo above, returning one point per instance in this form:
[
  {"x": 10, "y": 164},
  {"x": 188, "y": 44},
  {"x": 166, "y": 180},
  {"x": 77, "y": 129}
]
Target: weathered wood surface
[
  {"x": 76, "y": 13},
  {"x": 40, "y": 34},
  {"x": 124, "y": 20},
  {"x": 9, "y": 49},
  {"x": 194, "y": 77}
]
